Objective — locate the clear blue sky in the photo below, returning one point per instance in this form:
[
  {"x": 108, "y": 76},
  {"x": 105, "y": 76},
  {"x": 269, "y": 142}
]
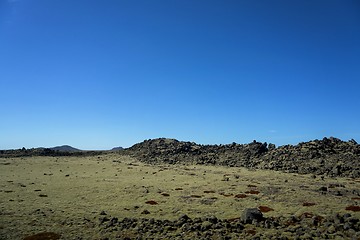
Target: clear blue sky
[{"x": 106, "y": 73}]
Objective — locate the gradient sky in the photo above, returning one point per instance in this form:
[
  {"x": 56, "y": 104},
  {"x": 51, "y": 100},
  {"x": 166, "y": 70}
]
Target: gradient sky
[{"x": 96, "y": 74}]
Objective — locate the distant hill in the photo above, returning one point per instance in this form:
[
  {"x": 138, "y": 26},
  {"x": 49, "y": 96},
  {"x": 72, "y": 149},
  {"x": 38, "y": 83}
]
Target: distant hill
[
  {"x": 65, "y": 148},
  {"x": 117, "y": 149}
]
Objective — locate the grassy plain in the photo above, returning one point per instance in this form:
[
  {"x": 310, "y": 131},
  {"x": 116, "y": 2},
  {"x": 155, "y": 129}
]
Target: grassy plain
[{"x": 67, "y": 194}]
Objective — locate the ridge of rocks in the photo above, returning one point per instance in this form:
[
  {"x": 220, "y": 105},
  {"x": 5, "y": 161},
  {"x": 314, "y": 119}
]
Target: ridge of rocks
[
  {"x": 252, "y": 225},
  {"x": 329, "y": 156}
]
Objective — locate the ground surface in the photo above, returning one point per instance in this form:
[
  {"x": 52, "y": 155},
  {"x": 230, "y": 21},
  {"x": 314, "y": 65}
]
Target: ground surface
[{"x": 71, "y": 195}]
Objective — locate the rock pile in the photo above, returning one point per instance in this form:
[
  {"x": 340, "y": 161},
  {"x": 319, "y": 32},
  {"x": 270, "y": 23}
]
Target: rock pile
[
  {"x": 252, "y": 225},
  {"x": 329, "y": 156}
]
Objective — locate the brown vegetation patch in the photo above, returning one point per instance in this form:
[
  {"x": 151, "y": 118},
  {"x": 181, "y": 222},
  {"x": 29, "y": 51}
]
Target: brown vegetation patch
[
  {"x": 165, "y": 194},
  {"x": 44, "y": 236},
  {"x": 353, "y": 208},
  {"x": 240, "y": 195},
  {"x": 355, "y": 198},
  {"x": 178, "y": 189},
  {"x": 308, "y": 204},
  {"x": 151, "y": 202},
  {"x": 265, "y": 209},
  {"x": 252, "y": 192},
  {"x": 250, "y": 185}
]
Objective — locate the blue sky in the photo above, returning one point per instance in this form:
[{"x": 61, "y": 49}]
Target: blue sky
[{"x": 98, "y": 74}]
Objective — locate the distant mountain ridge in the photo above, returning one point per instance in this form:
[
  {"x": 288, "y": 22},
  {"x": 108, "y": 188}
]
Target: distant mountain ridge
[
  {"x": 117, "y": 148},
  {"x": 65, "y": 148}
]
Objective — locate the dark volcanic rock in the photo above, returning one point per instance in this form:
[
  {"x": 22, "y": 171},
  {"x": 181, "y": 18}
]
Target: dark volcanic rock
[
  {"x": 250, "y": 214},
  {"x": 310, "y": 226},
  {"x": 329, "y": 156}
]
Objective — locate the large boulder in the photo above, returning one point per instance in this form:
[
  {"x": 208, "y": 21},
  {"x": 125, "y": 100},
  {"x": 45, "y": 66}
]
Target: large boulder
[{"x": 251, "y": 214}]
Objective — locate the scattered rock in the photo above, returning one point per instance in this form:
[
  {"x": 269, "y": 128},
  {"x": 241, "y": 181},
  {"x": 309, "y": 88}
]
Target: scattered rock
[
  {"x": 145, "y": 212},
  {"x": 250, "y": 214},
  {"x": 209, "y": 191},
  {"x": 195, "y": 196},
  {"x": 308, "y": 204}
]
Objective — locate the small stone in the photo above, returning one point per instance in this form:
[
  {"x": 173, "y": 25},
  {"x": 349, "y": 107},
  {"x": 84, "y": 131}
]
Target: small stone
[
  {"x": 184, "y": 217},
  {"x": 308, "y": 204},
  {"x": 103, "y": 213},
  {"x": 103, "y": 219},
  {"x": 145, "y": 212},
  {"x": 347, "y": 226},
  {"x": 212, "y": 219}
]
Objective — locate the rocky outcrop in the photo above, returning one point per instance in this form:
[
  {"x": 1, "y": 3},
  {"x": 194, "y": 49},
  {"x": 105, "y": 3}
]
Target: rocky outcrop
[
  {"x": 329, "y": 156},
  {"x": 251, "y": 226}
]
